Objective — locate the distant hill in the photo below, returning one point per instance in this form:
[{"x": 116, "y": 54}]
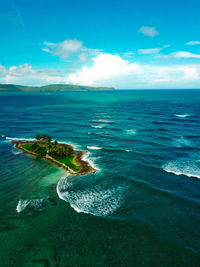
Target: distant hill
[{"x": 51, "y": 87}]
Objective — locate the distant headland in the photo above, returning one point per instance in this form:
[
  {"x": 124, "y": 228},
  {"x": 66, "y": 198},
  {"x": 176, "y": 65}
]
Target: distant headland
[
  {"x": 51, "y": 88},
  {"x": 61, "y": 154}
]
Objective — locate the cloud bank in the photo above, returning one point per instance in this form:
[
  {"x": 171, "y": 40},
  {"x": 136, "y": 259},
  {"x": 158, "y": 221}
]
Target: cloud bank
[{"x": 108, "y": 70}]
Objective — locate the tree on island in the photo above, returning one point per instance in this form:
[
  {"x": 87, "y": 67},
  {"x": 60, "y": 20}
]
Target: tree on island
[
  {"x": 48, "y": 139},
  {"x": 35, "y": 147},
  {"x": 38, "y": 137},
  {"x": 44, "y": 137},
  {"x": 55, "y": 143},
  {"x": 54, "y": 149}
]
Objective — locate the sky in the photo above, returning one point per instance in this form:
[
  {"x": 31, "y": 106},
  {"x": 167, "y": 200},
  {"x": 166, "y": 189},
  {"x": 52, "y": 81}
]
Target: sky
[{"x": 129, "y": 44}]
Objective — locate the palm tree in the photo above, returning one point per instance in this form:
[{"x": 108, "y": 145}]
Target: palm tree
[
  {"x": 68, "y": 150},
  {"x": 55, "y": 143},
  {"x": 38, "y": 137},
  {"x": 49, "y": 147},
  {"x": 48, "y": 139},
  {"x": 44, "y": 137}
]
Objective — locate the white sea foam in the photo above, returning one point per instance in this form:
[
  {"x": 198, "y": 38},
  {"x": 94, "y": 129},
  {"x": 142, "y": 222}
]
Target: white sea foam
[
  {"x": 2, "y": 135},
  {"x": 75, "y": 146},
  {"x": 95, "y": 200},
  {"x": 182, "y": 142},
  {"x": 183, "y": 167},
  {"x": 90, "y": 160},
  {"x": 77, "y": 209},
  {"x": 181, "y": 115},
  {"x": 94, "y": 147},
  {"x": 22, "y": 204},
  {"x": 33, "y": 203},
  {"x": 131, "y": 131},
  {"x": 100, "y": 120},
  {"x": 98, "y": 126},
  {"x": 15, "y": 151},
  {"x": 20, "y": 139}
]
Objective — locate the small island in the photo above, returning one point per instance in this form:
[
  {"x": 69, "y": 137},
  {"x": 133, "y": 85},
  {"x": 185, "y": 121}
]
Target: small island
[{"x": 61, "y": 154}]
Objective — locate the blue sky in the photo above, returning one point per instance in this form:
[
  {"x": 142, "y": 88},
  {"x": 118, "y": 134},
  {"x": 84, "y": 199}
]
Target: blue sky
[{"x": 125, "y": 44}]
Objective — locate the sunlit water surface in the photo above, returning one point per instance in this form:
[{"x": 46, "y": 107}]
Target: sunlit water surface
[{"x": 140, "y": 208}]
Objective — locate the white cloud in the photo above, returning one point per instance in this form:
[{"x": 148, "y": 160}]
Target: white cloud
[
  {"x": 63, "y": 49},
  {"x": 112, "y": 70},
  {"x": 105, "y": 67},
  {"x": 23, "y": 69},
  {"x": 180, "y": 54},
  {"x": 91, "y": 52},
  {"x": 148, "y": 31},
  {"x": 129, "y": 54},
  {"x": 149, "y": 51},
  {"x": 193, "y": 43},
  {"x": 24, "y": 74},
  {"x": 2, "y": 70},
  {"x": 108, "y": 70},
  {"x": 191, "y": 73},
  {"x": 71, "y": 49},
  {"x": 185, "y": 54}
]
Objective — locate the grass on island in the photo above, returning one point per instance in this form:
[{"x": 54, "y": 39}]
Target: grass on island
[
  {"x": 42, "y": 149},
  {"x": 70, "y": 162}
]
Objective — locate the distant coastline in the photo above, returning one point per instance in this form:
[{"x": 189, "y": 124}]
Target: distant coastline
[{"x": 50, "y": 88}]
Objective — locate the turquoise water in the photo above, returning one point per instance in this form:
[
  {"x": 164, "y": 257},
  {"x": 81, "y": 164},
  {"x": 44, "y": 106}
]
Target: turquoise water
[{"x": 140, "y": 208}]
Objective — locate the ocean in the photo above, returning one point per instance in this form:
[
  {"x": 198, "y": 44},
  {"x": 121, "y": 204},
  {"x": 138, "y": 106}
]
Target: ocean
[{"x": 140, "y": 208}]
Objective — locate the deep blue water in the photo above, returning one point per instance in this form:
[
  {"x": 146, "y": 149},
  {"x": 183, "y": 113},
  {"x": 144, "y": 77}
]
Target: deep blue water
[{"x": 145, "y": 145}]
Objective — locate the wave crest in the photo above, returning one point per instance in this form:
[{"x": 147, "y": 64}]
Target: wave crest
[
  {"x": 183, "y": 167},
  {"x": 97, "y": 126},
  {"x": 96, "y": 200},
  {"x": 94, "y": 147},
  {"x": 182, "y": 115},
  {"x": 32, "y": 203}
]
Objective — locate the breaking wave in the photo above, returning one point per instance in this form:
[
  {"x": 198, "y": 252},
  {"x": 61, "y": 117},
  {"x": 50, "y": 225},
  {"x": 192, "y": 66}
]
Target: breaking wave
[
  {"x": 97, "y": 126},
  {"x": 77, "y": 209},
  {"x": 90, "y": 160},
  {"x": 94, "y": 147},
  {"x": 75, "y": 146},
  {"x": 97, "y": 200},
  {"x": 182, "y": 115},
  {"x": 22, "y": 204},
  {"x": 183, "y": 167},
  {"x": 33, "y": 203},
  {"x": 16, "y": 152},
  {"x": 20, "y": 139},
  {"x": 106, "y": 121}
]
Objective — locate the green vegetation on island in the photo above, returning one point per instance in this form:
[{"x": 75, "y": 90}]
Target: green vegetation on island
[
  {"x": 51, "y": 88},
  {"x": 61, "y": 154}
]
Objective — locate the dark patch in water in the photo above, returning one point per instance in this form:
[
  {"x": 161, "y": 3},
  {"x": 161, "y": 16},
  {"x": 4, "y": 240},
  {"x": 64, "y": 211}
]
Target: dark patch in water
[
  {"x": 45, "y": 262},
  {"x": 52, "y": 201}
]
